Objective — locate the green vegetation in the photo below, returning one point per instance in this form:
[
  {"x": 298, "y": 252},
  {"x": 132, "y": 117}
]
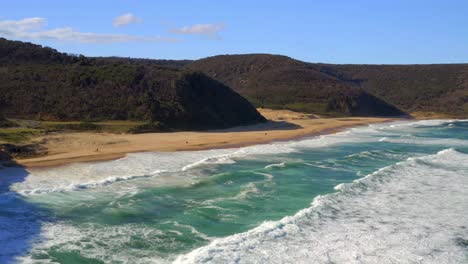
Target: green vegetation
[
  {"x": 306, "y": 107},
  {"x": 111, "y": 126},
  {"x": 18, "y": 135},
  {"x": 283, "y": 83},
  {"x": 6, "y": 123},
  {"x": 441, "y": 88},
  {"x": 24, "y": 130},
  {"x": 3, "y": 121},
  {"x": 148, "y": 128},
  {"x": 16, "y": 52},
  {"x": 82, "y": 126},
  {"x": 42, "y": 84}
]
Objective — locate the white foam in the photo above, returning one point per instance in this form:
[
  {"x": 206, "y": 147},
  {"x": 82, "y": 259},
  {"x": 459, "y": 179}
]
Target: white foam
[
  {"x": 89, "y": 240},
  {"x": 276, "y": 165},
  {"x": 397, "y": 127},
  {"x": 268, "y": 177},
  {"x": 427, "y": 141},
  {"x": 145, "y": 165},
  {"x": 335, "y": 224},
  {"x": 211, "y": 160},
  {"x": 193, "y": 230},
  {"x": 410, "y": 212}
]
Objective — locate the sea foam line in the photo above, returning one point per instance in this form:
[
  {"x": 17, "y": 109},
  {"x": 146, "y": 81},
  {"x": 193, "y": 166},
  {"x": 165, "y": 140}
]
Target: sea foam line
[
  {"x": 363, "y": 220},
  {"x": 144, "y": 165}
]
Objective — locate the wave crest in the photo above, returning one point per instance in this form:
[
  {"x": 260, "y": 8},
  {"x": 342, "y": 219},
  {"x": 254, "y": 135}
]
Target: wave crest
[{"x": 387, "y": 216}]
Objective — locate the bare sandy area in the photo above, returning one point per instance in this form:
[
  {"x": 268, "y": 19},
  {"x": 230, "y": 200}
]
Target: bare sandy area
[{"x": 282, "y": 125}]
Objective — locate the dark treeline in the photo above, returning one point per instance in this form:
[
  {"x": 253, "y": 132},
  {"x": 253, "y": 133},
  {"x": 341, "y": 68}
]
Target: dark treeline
[
  {"x": 41, "y": 83},
  {"x": 17, "y": 52},
  {"x": 176, "y": 64}
]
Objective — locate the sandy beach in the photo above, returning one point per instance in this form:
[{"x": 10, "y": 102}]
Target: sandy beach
[{"x": 68, "y": 148}]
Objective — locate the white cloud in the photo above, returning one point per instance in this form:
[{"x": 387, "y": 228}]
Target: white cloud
[
  {"x": 210, "y": 30},
  {"x": 33, "y": 28},
  {"x": 126, "y": 19},
  {"x": 26, "y": 24}
]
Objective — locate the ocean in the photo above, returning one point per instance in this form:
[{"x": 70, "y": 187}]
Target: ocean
[{"x": 384, "y": 193}]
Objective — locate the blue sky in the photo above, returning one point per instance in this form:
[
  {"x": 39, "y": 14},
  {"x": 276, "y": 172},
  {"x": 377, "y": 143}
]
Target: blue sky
[{"x": 332, "y": 31}]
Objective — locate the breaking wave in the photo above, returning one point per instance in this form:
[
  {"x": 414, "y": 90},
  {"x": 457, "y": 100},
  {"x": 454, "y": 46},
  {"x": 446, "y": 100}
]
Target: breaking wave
[
  {"x": 397, "y": 214},
  {"x": 146, "y": 165}
]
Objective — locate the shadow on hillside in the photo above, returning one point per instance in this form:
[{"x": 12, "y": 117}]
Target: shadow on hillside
[
  {"x": 267, "y": 126},
  {"x": 20, "y": 220}
]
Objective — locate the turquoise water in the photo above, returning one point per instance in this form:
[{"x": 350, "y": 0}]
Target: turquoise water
[{"x": 223, "y": 206}]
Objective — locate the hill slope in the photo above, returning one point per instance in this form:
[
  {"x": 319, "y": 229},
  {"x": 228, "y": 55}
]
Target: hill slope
[
  {"x": 281, "y": 82},
  {"x": 41, "y": 83},
  {"x": 58, "y": 86},
  {"x": 441, "y": 88}
]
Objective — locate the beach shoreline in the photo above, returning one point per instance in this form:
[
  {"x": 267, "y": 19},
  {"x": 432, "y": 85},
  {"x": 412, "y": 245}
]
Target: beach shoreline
[{"x": 283, "y": 125}]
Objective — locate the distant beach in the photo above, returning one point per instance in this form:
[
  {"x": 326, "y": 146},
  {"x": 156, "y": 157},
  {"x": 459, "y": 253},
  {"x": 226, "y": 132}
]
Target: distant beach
[{"x": 66, "y": 148}]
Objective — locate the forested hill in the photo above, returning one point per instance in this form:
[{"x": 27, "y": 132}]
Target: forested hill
[
  {"x": 440, "y": 88},
  {"x": 17, "y": 52},
  {"x": 41, "y": 83},
  {"x": 280, "y": 82}
]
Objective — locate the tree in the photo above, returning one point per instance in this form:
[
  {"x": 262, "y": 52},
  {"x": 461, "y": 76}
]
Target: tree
[
  {"x": 2, "y": 108},
  {"x": 3, "y": 121}
]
